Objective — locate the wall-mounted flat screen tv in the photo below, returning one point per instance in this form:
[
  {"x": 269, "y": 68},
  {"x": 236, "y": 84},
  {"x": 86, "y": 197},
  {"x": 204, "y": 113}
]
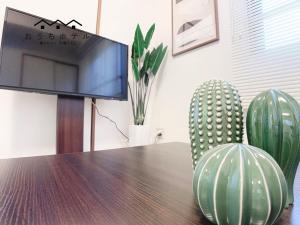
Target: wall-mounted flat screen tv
[{"x": 56, "y": 57}]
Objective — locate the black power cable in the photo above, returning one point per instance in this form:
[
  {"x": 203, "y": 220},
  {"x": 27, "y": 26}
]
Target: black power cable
[{"x": 110, "y": 120}]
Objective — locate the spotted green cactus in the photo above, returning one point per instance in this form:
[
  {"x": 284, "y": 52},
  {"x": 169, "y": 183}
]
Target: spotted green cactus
[{"x": 216, "y": 117}]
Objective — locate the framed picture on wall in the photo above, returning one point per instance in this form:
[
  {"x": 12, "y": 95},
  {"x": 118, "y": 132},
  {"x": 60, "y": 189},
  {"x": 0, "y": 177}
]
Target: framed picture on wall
[{"x": 194, "y": 24}]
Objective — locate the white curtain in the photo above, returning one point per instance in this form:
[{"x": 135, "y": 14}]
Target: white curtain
[{"x": 266, "y": 47}]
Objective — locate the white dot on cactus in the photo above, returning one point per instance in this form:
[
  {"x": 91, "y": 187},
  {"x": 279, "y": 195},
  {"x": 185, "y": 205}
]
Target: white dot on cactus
[
  {"x": 209, "y": 113},
  {"x": 218, "y": 114},
  {"x": 229, "y": 139},
  {"x": 236, "y": 102},
  {"x": 219, "y": 126},
  {"x": 192, "y": 130},
  {"x": 238, "y": 138},
  {"x": 201, "y": 140},
  {"x": 219, "y": 103},
  {"x": 236, "y": 97},
  {"x": 229, "y": 113},
  {"x": 209, "y": 108},
  {"x": 229, "y": 126},
  {"x": 227, "y": 96},
  {"x": 237, "y": 126},
  {"x": 219, "y": 120},
  {"x": 218, "y": 91},
  {"x": 200, "y": 104},
  {"x": 229, "y": 119},
  {"x": 202, "y": 146},
  {"x": 193, "y": 137},
  {"x": 195, "y": 156},
  {"x": 209, "y": 134},
  {"x": 219, "y": 139},
  {"x": 201, "y": 153},
  {"x": 219, "y": 109},
  {"x": 209, "y": 127},
  {"x": 237, "y": 132},
  {"x": 237, "y": 119},
  {"x": 194, "y": 144},
  {"x": 228, "y": 107},
  {"x": 237, "y": 113},
  {"x": 199, "y": 120},
  {"x": 210, "y": 146},
  {"x": 200, "y": 132},
  {"x": 218, "y": 97},
  {"x": 195, "y": 150},
  {"x": 193, "y": 103},
  {"x": 226, "y": 91},
  {"x": 229, "y": 133},
  {"x": 219, "y": 133},
  {"x": 228, "y": 102},
  {"x": 193, "y": 109},
  {"x": 236, "y": 108},
  {"x": 209, "y": 102},
  {"x": 200, "y": 126},
  {"x": 209, "y": 120},
  {"x": 210, "y": 141}
]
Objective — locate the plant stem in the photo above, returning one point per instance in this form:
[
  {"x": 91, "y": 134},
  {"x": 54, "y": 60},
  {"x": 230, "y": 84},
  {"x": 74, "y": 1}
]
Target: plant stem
[
  {"x": 149, "y": 93},
  {"x": 132, "y": 100}
]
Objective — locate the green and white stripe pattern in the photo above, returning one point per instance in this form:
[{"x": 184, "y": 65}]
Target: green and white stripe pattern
[
  {"x": 216, "y": 117},
  {"x": 236, "y": 184}
]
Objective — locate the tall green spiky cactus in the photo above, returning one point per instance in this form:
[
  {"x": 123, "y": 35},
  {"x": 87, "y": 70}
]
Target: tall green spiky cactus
[
  {"x": 216, "y": 117},
  {"x": 273, "y": 124}
]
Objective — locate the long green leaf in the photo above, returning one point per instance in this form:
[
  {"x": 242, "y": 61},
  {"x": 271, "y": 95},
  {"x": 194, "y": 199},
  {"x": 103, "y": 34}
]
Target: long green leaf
[
  {"x": 149, "y": 36},
  {"x": 159, "y": 58},
  {"x": 138, "y": 44},
  {"x": 155, "y": 57},
  {"x": 135, "y": 70},
  {"x": 145, "y": 64}
]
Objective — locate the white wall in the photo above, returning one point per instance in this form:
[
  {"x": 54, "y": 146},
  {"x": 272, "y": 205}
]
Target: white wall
[{"x": 182, "y": 74}]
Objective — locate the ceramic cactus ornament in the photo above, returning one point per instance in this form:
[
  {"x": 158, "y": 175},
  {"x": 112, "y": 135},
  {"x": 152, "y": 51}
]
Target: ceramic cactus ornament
[
  {"x": 236, "y": 184},
  {"x": 273, "y": 124},
  {"x": 216, "y": 117}
]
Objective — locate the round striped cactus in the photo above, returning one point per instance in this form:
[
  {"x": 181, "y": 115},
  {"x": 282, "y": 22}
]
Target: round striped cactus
[
  {"x": 216, "y": 117},
  {"x": 273, "y": 124},
  {"x": 238, "y": 184}
]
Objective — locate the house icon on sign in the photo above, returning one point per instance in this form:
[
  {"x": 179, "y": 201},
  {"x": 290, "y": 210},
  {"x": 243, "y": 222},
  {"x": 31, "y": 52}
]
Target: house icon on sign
[
  {"x": 42, "y": 23},
  {"x": 73, "y": 24}
]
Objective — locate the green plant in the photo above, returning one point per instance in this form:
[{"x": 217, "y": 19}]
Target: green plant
[
  {"x": 216, "y": 117},
  {"x": 145, "y": 65},
  {"x": 236, "y": 184}
]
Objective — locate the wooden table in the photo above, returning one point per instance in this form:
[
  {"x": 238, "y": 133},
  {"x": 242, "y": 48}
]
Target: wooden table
[{"x": 138, "y": 186}]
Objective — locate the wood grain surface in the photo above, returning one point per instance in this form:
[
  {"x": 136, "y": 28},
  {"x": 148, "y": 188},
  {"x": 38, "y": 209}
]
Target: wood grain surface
[
  {"x": 137, "y": 186},
  {"x": 70, "y": 124}
]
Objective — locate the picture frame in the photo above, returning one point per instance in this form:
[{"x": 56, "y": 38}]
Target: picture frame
[{"x": 194, "y": 24}]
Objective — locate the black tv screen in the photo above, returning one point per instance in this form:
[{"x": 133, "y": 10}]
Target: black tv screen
[{"x": 55, "y": 57}]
